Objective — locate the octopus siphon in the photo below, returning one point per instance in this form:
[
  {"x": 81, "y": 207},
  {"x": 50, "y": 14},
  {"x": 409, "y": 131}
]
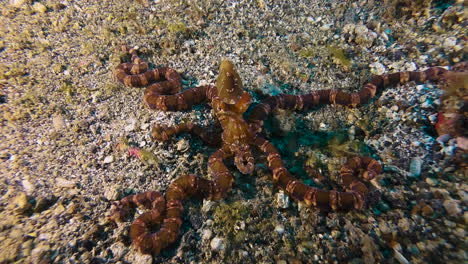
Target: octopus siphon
[{"x": 241, "y": 132}]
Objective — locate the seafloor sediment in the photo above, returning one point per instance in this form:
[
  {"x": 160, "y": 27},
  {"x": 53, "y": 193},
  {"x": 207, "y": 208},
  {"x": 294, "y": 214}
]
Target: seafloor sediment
[{"x": 66, "y": 125}]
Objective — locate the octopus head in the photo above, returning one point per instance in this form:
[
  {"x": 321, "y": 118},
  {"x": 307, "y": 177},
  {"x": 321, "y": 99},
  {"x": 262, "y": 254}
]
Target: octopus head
[{"x": 229, "y": 83}]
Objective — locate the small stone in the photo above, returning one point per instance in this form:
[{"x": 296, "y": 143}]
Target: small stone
[
  {"x": 431, "y": 181},
  {"x": 449, "y": 223},
  {"x": 282, "y": 200},
  {"x": 182, "y": 145},
  {"x": 206, "y": 234},
  {"x": 142, "y": 259},
  {"x": 416, "y": 209},
  {"x": 58, "y": 210},
  {"x": 217, "y": 244},
  {"x": 427, "y": 210},
  {"x": 207, "y": 205},
  {"x": 109, "y": 159},
  {"x": 433, "y": 118},
  {"x": 18, "y": 3},
  {"x": 443, "y": 138},
  {"x": 460, "y": 232},
  {"x": 41, "y": 254},
  {"x": 450, "y": 42},
  {"x": 415, "y": 167},
  {"x": 118, "y": 250},
  {"x": 361, "y": 30},
  {"x": 144, "y": 126},
  {"x": 42, "y": 203},
  {"x": 20, "y": 203},
  {"x": 40, "y": 8},
  {"x": 28, "y": 186},
  {"x": 58, "y": 122},
  {"x": 452, "y": 207},
  {"x": 462, "y": 142},
  {"x": 112, "y": 193},
  {"x": 279, "y": 229},
  {"x": 325, "y": 27},
  {"x": 130, "y": 127},
  {"x": 377, "y": 68},
  {"x": 43, "y": 236},
  {"x": 404, "y": 224},
  {"x": 64, "y": 183}
]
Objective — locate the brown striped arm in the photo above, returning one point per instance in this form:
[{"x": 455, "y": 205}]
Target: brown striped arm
[
  {"x": 163, "y": 85},
  {"x": 163, "y": 133},
  {"x": 149, "y": 200},
  {"x": 352, "y": 198},
  {"x": 221, "y": 176},
  {"x": 169, "y": 220},
  {"x": 168, "y": 216},
  {"x": 333, "y": 96},
  {"x": 184, "y": 100},
  {"x": 136, "y": 74}
]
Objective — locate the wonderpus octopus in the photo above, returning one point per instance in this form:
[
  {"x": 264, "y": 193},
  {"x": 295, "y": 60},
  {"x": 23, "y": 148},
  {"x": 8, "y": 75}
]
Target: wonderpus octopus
[{"x": 240, "y": 133}]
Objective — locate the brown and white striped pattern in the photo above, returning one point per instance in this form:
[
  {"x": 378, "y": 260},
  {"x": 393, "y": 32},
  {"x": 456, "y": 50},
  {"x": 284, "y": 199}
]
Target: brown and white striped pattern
[
  {"x": 169, "y": 214},
  {"x": 163, "y": 85},
  {"x": 332, "y": 96},
  {"x": 163, "y": 133},
  {"x": 355, "y": 190}
]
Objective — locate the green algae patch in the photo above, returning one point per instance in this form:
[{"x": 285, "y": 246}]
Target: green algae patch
[
  {"x": 178, "y": 27},
  {"x": 306, "y": 52},
  {"x": 227, "y": 215},
  {"x": 340, "y": 57}
]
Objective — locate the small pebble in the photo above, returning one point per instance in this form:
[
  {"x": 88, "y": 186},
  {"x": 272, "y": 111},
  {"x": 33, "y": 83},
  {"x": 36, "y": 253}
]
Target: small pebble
[
  {"x": 450, "y": 42},
  {"x": 142, "y": 259},
  {"x": 118, "y": 249},
  {"x": 443, "y": 138},
  {"x": 452, "y": 207},
  {"x": 18, "y": 3},
  {"x": 40, "y": 8},
  {"x": 40, "y": 254},
  {"x": 431, "y": 181},
  {"x": 415, "y": 167},
  {"x": 182, "y": 145},
  {"x": 282, "y": 200},
  {"x": 64, "y": 183},
  {"x": 131, "y": 126},
  {"x": 20, "y": 203},
  {"x": 42, "y": 203},
  {"x": 377, "y": 68},
  {"x": 206, "y": 234},
  {"x": 325, "y": 27},
  {"x": 207, "y": 205},
  {"x": 58, "y": 122},
  {"x": 112, "y": 193},
  {"x": 462, "y": 142},
  {"x": 28, "y": 186},
  {"x": 109, "y": 159},
  {"x": 279, "y": 229},
  {"x": 217, "y": 244},
  {"x": 427, "y": 210}
]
